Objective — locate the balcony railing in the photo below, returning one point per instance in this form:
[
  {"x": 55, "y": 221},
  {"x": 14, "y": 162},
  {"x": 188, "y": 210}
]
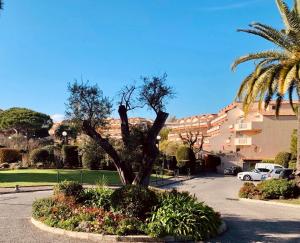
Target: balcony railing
[
  {"x": 247, "y": 126},
  {"x": 244, "y": 141}
]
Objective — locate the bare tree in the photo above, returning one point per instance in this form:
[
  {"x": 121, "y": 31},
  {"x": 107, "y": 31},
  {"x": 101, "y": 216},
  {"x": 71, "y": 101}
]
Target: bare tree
[
  {"x": 189, "y": 138},
  {"x": 90, "y": 109}
]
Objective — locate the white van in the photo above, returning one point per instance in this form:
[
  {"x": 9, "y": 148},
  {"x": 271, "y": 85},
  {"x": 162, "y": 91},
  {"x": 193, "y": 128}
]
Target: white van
[{"x": 268, "y": 166}]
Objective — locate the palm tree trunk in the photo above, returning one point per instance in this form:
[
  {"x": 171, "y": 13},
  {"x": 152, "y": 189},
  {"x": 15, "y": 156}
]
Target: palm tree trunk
[{"x": 298, "y": 142}]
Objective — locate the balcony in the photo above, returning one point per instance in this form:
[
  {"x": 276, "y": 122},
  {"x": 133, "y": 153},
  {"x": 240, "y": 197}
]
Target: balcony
[
  {"x": 244, "y": 141},
  {"x": 247, "y": 126},
  {"x": 213, "y": 129},
  {"x": 219, "y": 118}
]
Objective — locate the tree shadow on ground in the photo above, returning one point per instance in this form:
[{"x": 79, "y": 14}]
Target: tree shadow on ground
[{"x": 255, "y": 230}]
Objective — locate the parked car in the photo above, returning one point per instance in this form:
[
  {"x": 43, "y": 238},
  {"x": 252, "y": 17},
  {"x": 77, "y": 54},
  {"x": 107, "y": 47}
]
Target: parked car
[
  {"x": 281, "y": 173},
  {"x": 232, "y": 170},
  {"x": 254, "y": 175},
  {"x": 274, "y": 174},
  {"x": 287, "y": 174},
  {"x": 268, "y": 166}
]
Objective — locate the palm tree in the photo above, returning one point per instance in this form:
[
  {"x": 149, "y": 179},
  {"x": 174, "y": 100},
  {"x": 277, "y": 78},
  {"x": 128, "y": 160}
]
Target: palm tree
[{"x": 277, "y": 72}]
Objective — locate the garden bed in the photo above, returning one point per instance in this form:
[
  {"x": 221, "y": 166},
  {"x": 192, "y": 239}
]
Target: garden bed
[
  {"x": 127, "y": 211},
  {"x": 109, "y": 238},
  {"x": 273, "y": 190}
]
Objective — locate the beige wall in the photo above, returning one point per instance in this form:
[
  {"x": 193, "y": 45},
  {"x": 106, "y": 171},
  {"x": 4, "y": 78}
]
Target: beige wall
[
  {"x": 273, "y": 137},
  {"x": 268, "y": 135}
]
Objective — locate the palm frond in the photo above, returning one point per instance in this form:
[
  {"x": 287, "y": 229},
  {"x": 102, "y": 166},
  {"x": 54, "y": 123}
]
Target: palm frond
[
  {"x": 296, "y": 8},
  {"x": 290, "y": 94},
  {"x": 285, "y": 14},
  {"x": 283, "y": 43},
  {"x": 290, "y": 77},
  {"x": 285, "y": 78},
  {"x": 272, "y": 55}
]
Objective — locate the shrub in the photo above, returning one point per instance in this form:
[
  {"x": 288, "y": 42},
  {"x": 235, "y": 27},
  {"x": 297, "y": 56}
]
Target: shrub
[
  {"x": 181, "y": 216},
  {"x": 283, "y": 159},
  {"x": 98, "y": 197},
  {"x": 92, "y": 154},
  {"x": 185, "y": 158},
  {"x": 70, "y": 155},
  {"x": 249, "y": 190},
  {"x": 69, "y": 189},
  {"x": 42, "y": 207},
  {"x": 268, "y": 161},
  {"x": 274, "y": 189},
  {"x": 133, "y": 200},
  {"x": 293, "y": 164},
  {"x": 55, "y": 156},
  {"x": 130, "y": 226},
  {"x": 40, "y": 155},
  {"x": 9, "y": 155}
]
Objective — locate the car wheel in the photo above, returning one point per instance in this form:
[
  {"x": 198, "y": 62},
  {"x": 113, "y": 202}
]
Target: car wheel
[{"x": 247, "y": 178}]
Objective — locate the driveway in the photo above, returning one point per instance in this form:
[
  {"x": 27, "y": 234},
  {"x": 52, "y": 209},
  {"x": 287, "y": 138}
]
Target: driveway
[
  {"x": 15, "y": 225},
  {"x": 247, "y": 221}
]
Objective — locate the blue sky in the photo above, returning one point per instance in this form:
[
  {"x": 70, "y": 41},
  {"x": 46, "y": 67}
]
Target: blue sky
[{"x": 46, "y": 44}]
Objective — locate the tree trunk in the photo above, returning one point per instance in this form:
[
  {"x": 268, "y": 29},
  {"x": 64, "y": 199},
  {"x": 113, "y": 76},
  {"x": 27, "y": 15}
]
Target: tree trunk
[
  {"x": 298, "y": 142},
  {"x": 150, "y": 151},
  {"x": 124, "y": 124},
  {"x": 125, "y": 172}
]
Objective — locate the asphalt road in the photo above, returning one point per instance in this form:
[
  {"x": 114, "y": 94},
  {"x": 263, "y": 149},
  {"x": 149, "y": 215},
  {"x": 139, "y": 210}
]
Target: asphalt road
[{"x": 247, "y": 222}]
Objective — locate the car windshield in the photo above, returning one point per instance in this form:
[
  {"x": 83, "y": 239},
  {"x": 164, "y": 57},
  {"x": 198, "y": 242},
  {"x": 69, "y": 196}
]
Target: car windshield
[{"x": 256, "y": 171}]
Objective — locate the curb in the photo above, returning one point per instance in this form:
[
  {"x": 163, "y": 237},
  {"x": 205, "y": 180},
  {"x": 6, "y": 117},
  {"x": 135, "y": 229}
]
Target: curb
[
  {"x": 109, "y": 238},
  {"x": 269, "y": 202},
  {"x": 223, "y": 228}
]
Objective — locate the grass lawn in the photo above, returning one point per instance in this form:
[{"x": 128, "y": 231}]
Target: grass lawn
[
  {"x": 290, "y": 201},
  {"x": 35, "y": 177}
]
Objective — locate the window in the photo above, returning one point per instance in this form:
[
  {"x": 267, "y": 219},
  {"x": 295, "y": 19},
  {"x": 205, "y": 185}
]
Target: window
[
  {"x": 273, "y": 107},
  {"x": 263, "y": 170}
]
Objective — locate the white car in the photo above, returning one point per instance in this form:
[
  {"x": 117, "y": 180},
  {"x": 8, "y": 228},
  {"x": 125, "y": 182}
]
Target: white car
[
  {"x": 274, "y": 174},
  {"x": 254, "y": 175}
]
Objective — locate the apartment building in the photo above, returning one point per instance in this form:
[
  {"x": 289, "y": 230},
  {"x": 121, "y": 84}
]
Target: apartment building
[
  {"x": 194, "y": 125},
  {"x": 113, "y": 128},
  {"x": 246, "y": 139}
]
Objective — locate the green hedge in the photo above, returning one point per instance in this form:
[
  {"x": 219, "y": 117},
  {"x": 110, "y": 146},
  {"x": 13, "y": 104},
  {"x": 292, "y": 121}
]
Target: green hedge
[
  {"x": 274, "y": 189},
  {"x": 8, "y": 155},
  {"x": 70, "y": 156},
  {"x": 270, "y": 189},
  {"x": 40, "y": 155},
  {"x": 283, "y": 158}
]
